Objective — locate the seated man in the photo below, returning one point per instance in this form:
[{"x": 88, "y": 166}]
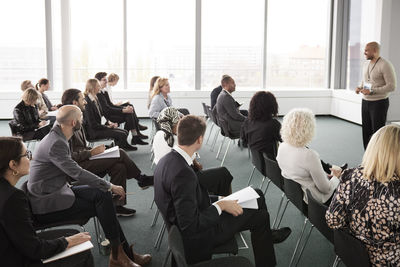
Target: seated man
[
  {"x": 54, "y": 200},
  {"x": 119, "y": 169},
  {"x": 227, "y": 109},
  {"x": 185, "y": 203}
]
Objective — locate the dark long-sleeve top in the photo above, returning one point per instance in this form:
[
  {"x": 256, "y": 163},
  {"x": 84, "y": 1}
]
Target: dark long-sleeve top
[
  {"x": 19, "y": 244},
  {"x": 107, "y": 106},
  {"x": 214, "y": 95},
  {"x": 92, "y": 117},
  {"x": 77, "y": 144},
  {"x": 262, "y": 136},
  {"x": 47, "y": 101},
  {"x": 370, "y": 211},
  {"x": 26, "y": 118}
]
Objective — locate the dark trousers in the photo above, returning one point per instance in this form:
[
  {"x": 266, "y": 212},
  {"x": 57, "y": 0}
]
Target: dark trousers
[
  {"x": 373, "y": 115},
  {"x": 258, "y": 222},
  {"x": 119, "y": 169},
  {"x": 217, "y": 181},
  {"x": 128, "y": 118},
  {"x": 91, "y": 202},
  {"x": 119, "y": 136},
  {"x": 36, "y": 135}
]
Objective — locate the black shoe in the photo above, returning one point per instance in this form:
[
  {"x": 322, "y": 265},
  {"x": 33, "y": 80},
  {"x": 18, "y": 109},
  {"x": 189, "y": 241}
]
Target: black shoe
[
  {"x": 280, "y": 235},
  {"x": 344, "y": 166},
  {"x": 142, "y": 136},
  {"x": 137, "y": 141},
  {"x": 124, "y": 212},
  {"x": 129, "y": 148},
  {"x": 142, "y": 127},
  {"x": 145, "y": 181}
]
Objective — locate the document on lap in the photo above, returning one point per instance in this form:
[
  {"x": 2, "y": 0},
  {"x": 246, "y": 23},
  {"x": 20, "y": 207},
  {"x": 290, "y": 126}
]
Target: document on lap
[
  {"x": 70, "y": 251},
  {"x": 112, "y": 152},
  {"x": 247, "y": 198},
  {"x": 47, "y": 123}
]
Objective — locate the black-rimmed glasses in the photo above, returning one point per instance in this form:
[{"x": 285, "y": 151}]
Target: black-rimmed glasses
[{"x": 28, "y": 154}]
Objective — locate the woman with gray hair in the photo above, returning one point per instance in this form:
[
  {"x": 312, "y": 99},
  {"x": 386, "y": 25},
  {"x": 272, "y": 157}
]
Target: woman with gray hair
[
  {"x": 216, "y": 180},
  {"x": 301, "y": 164}
]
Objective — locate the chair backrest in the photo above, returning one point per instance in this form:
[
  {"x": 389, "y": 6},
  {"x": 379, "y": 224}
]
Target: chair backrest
[
  {"x": 350, "y": 250},
  {"x": 176, "y": 245},
  {"x": 294, "y": 193},
  {"x": 155, "y": 124},
  {"x": 258, "y": 160},
  {"x": 273, "y": 172},
  {"x": 205, "y": 109},
  {"x": 13, "y": 128},
  {"x": 316, "y": 215}
]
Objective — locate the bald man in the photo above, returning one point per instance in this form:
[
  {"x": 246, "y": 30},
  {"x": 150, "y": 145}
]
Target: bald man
[
  {"x": 379, "y": 79},
  {"x": 54, "y": 200}
]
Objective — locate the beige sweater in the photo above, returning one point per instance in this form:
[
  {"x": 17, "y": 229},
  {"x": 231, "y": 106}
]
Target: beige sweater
[{"x": 382, "y": 78}]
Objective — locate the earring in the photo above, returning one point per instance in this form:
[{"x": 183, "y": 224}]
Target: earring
[{"x": 15, "y": 173}]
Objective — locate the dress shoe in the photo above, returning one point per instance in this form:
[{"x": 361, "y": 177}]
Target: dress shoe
[
  {"x": 142, "y": 127},
  {"x": 121, "y": 260},
  {"x": 145, "y": 181},
  {"x": 142, "y": 136},
  {"x": 140, "y": 259},
  {"x": 124, "y": 212},
  {"x": 129, "y": 148},
  {"x": 280, "y": 235},
  {"x": 137, "y": 141},
  {"x": 344, "y": 166}
]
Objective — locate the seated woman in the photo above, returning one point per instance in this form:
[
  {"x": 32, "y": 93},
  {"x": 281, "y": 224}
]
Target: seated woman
[
  {"x": 300, "y": 163},
  {"x": 367, "y": 199},
  {"x": 27, "y": 84},
  {"x": 216, "y": 180},
  {"x": 261, "y": 129},
  {"x": 26, "y": 120},
  {"x": 93, "y": 115},
  {"x": 21, "y": 246},
  {"x": 42, "y": 86},
  {"x": 161, "y": 99},
  {"x": 120, "y": 114},
  {"x": 152, "y": 82}
]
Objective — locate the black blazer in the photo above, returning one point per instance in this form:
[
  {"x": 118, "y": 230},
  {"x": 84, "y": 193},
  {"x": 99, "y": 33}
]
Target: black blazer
[
  {"x": 26, "y": 118},
  {"x": 109, "y": 109},
  {"x": 92, "y": 118},
  {"x": 262, "y": 136},
  {"x": 214, "y": 95},
  {"x": 19, "y": 244},
  {"x": 184, "y": 203}
]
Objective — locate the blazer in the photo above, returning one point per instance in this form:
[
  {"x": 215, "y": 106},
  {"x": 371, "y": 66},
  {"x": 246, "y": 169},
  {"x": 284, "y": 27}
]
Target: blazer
[
  {"x": 19, "y": 245},
  {"x": 92, "y": 118},
  {"x": 262, "y": 136},
  {"x": 157, "y": 104},
  {"x": 50, "y": 170},
  {"x": 185, "y": 203},
  {"x": 77, "y": 144},
  {"x": 26, "y": 118},
  {"x": 107, "y": 106},
  {"x": 227, "y": 111},
  {"x": 214, "y": 95},
  {"x": 47, "y": 101}
]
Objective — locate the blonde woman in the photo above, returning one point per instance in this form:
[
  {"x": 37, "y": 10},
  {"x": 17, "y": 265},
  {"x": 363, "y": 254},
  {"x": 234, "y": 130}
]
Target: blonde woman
[
  {"x": 160, "y": 98},
  {"x": 367, "y": 201},
  {"x": 152, "y": 83},
  {"x": 301, "y": 164}
]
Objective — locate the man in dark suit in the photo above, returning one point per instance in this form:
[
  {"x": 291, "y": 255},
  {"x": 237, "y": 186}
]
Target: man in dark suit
[
  {"x": 185, "y": 203},
  {"x": 214, "y": 95}
]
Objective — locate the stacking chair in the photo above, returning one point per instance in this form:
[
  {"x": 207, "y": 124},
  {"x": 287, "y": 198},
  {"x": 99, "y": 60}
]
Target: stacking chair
[
  {"x": 350, "y": 250},
  {"x": 30, "y": 143},
  {"x": 258, "y": 162},
  {"x": 225, "y": 132},
  {"x": 176, "y": 247},
  {"x": 273, "y": 172},
  {"x": 215, "y": 122}
]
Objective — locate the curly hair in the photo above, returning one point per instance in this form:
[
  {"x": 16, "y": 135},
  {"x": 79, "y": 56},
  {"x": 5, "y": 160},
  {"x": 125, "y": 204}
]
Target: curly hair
[
  {"x": 263, "y": 106},
  {"x": 298, "y": 127}
]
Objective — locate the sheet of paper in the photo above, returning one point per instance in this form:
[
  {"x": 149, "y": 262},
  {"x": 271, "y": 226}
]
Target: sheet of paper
[
  {"x": 52, "y": 113},
  {"x": 47, "y": 123},
  {"x": 70, "y": 251},
  {"x": 112, "y": 152},
  {"x": 250, "y": 204},
  {"x": 247, "y": 198}
]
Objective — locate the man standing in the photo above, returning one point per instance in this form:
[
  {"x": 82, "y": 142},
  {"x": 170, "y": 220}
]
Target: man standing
[
  {"x": 185, "y": 203},
  {"x": 379, "y": 79}
]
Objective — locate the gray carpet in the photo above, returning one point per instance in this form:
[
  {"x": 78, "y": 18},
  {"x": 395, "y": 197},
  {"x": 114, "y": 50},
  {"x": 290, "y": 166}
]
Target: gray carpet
[{"x": 336, "y": 141}]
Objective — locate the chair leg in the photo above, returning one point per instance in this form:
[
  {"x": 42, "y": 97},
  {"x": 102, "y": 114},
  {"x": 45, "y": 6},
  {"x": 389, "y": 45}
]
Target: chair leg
[
  {"x": 245, "y": 246},
  {"x": 152, "y": 204},
  {"x": 251, "y": 175},
  {"x": 209, "y": 134},
  {"x": 167, "y": 257},
  {"x": 215, "y": 139},
  {"x": 283, "y": 213},
  {"x": 336, "y": 262},
  {"x": 279, "y": 209},
  {"x": 226, "y": 152},
  {"x": 155, "y": 218},
  {"x": 298, "y": 242},
  {"x": 220, "y": 147},
  {"x": 160, "y": 236},
  {"x": 268, "y": 183},
  {"x": 305, "y": 243}
]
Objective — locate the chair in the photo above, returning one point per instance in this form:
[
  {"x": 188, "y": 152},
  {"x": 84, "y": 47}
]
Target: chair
[
  {"x": 273, "y": 172},
  {"x": 294, "y": 193},
  {"x": 258, "y": 162},
  {"x": 350, "y": 250},
  {"x": 225, "y": 132},
  {"x": 177, "y": 249},
  {"x": 215, "y": 122},
  {"x": 28, "y": 142}
]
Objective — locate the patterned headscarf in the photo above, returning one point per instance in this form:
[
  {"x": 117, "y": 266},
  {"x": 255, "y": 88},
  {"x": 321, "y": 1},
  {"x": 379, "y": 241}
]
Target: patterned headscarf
[{"x": 167, "y": 118}]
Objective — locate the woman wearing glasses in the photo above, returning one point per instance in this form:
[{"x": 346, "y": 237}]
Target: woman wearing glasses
[{"x": 20, "y": 245}]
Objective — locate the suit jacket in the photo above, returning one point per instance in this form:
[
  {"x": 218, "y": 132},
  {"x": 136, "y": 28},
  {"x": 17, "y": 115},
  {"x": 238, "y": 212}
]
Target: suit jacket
[
  {"x": 77, "y": 144},
  {"x": 184, "y": 203},
  {"x": 214, "y": 95},
  {"x": 92, "y": 118},
  {"x": 26, "y": 118},
  {"x": 107, "y": 106},
  {"x": 19, "y": 245},
  {"x": 227, "y": 112},
  {"x": 50, "y": 170}
]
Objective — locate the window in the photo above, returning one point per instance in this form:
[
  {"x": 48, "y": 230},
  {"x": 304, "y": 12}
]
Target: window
[
  {"x": 23, "y": 43},
  {"x": 161, "y": 36},
  {"x": 97, "y": 39},
  {"x": 232, "y": 42},
  {"x": 363, "y": 28},
  {"x": 297, "y": 43}
]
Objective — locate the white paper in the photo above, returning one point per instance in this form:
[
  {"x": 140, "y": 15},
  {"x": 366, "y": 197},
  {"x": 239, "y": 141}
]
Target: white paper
[
  {"x": 47, "y": 123},
  {"x": 52, "y": 113},
  {"x": 70, "y": 251},
  {"x": 247, "y": 198},
  {"x": 112, "y": 152}
]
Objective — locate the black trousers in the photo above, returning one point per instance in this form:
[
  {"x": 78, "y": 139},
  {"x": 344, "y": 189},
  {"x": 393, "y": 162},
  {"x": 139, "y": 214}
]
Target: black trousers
[
  {"x": 373, "y": 115},
  {"x": 130, "y": 119},
  {"x": 217, "y": 181},
  {"x": 258, "y": 222},
  {"x": 119, "y": 136}
]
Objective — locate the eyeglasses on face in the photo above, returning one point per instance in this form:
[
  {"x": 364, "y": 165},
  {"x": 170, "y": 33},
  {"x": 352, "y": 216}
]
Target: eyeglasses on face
[{"x": 28, "y": 154}]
